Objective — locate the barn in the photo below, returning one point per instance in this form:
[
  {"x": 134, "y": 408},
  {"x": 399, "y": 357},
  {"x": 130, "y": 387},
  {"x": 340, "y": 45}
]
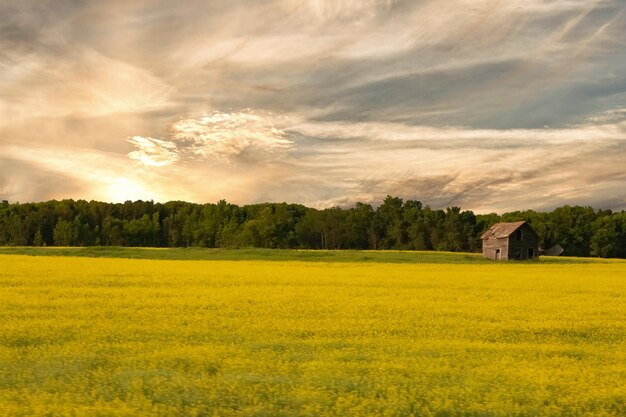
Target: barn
[{"x": 514, "y": 240}]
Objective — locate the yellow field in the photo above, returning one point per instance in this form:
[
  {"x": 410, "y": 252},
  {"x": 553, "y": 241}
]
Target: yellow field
[{"x": 81, "y": 336}]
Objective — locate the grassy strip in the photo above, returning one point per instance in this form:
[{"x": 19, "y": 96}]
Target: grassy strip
[{"x": 400, "y": 257}]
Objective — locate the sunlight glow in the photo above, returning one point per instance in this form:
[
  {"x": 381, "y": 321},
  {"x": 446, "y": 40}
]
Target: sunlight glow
[{"x": 122, "y": 189}]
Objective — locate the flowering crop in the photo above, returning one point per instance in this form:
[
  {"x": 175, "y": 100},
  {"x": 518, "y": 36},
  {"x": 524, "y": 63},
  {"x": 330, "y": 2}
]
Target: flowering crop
[{"x": 81, "y": 336}]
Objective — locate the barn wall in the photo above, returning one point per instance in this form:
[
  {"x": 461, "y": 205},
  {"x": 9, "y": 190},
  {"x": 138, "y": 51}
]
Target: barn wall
[
  {"x": 504, "y": 244},
  {"x": 529, "y": 240},
  {"x": 490, "y": 246}
]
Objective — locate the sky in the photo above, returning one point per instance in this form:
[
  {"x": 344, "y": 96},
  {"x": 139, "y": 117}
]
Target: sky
[{"x": 490, "y": 105}]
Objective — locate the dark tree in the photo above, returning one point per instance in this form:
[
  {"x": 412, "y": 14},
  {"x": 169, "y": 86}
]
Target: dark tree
[{"x": 395, "y": 224}]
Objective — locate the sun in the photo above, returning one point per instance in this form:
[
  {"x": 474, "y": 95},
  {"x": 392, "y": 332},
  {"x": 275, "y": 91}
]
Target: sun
[{"x": 123, "y": 189}]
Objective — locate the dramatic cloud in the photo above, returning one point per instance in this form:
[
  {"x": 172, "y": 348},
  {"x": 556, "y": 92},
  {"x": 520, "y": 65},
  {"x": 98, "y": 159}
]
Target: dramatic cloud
[
  {"x": 153, "y": 152},
  {"x": 487, "y": 105},
  {"x": 483, "y": 169},
  {"x": 226, "y": 137},
  {"x": 79, "y": 82}
]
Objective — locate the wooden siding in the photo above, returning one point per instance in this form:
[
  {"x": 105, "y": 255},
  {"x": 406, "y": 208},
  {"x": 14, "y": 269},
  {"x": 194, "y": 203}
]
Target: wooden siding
[
  {"x": 492, "y": 244},
  {"x": 529, "y": 240}
]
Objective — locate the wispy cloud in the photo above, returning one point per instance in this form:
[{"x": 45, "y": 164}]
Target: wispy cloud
[
  {"x": 488, "y": 105},
  {"x": 227, "y": 137},
  {"x": 79, "y": 82},
  {"x": 453, "y": 136},
  {"x": 230, "y": 135},
  {"x": 153, "y": 152}
]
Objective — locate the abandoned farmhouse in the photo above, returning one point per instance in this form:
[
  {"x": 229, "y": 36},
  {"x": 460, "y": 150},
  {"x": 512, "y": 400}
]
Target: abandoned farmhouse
[{"x": 516, "y": 240}]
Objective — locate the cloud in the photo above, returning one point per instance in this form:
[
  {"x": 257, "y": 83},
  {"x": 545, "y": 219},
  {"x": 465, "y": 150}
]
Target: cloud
[
  {"x": 153, "y": 152},
  {"x": 27, "y": 181},
  {"x": 488, "y": 170},
  {"x": 487, "y": 105},
  {"x": 349, "y": 9},
  {"x": 454, "y": 136},
  {"x": 482, "y": 169},
  {"x": 241, "y": 136},
  {"x": 69, "y": 172},
  {"x": 616, "y": 115},
  {"x": 75, "y": 82}
]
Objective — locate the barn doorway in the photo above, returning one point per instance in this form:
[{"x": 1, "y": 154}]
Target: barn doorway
[
  {"x": 531, "y": 253},
  {"x": 497, "y": 254}
]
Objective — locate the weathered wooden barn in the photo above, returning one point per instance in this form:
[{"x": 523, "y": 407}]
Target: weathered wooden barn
[{"x": 515, "y": 240}]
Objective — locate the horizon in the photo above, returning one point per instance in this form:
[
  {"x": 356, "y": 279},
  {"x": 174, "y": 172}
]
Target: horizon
[
  {"x": 373, "y": 204},
  {"x": 489, "y": 107}
]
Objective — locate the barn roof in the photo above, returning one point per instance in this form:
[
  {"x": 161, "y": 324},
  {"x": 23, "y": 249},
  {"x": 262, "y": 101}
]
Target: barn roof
[{"x": 500, "y": 230}]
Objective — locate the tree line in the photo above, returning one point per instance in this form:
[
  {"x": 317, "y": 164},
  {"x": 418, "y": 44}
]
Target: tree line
[{"x": 395, "y": 224}]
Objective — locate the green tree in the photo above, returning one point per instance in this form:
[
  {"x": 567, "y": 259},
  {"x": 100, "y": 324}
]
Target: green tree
[
  {"x": 388, "y": 228},
  {"x": 65, "y": 233},
  {"x": 358, "y": 221},
  {"x": 309, "y": 232},
  {"x": 609, "y": 236},
  {"x": 38, "y": 240}
]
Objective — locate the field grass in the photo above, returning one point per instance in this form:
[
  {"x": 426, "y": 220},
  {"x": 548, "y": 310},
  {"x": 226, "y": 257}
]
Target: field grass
[
  {"x": 387, "y": 256},
  {"x": 133, "y": 337}
]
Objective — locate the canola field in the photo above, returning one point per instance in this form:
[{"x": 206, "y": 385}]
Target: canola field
[{"x": 137, "y": 337}]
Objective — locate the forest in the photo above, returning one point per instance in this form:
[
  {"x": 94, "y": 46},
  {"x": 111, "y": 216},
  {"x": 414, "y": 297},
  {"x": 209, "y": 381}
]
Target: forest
[{"x": 395, "y": 224}]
